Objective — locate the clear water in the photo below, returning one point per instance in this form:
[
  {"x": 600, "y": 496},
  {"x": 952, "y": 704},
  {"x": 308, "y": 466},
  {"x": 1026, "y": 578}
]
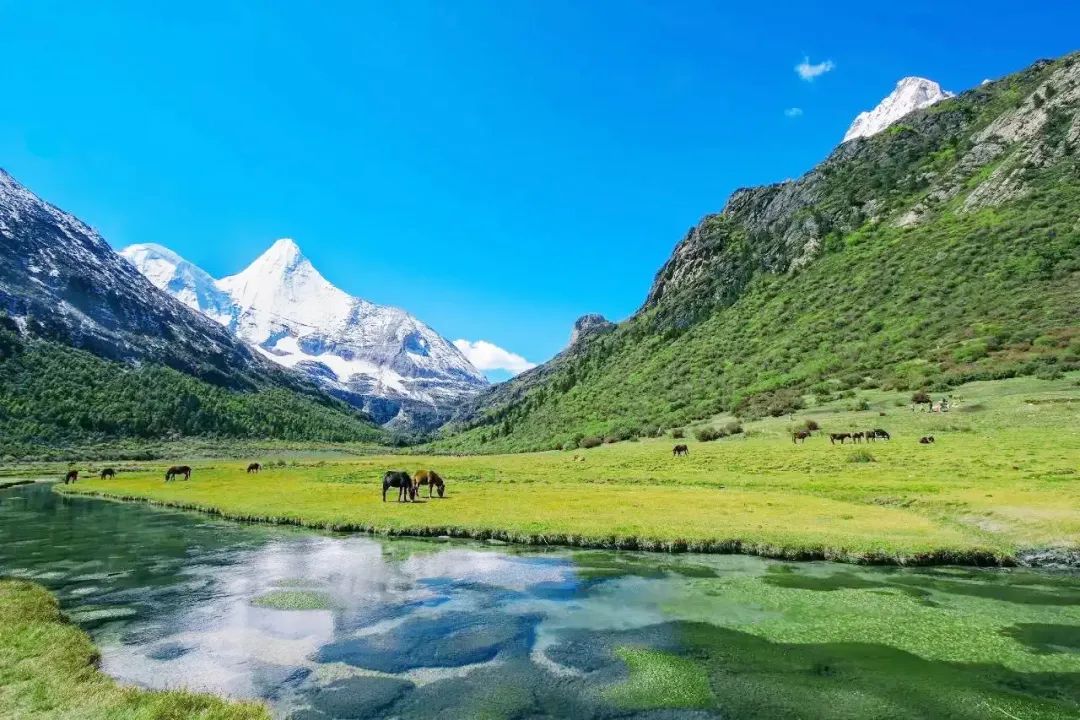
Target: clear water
[{"x": 330, "y": 626}]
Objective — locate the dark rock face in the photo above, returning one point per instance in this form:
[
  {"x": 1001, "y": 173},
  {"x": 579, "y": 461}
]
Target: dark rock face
[
  {"x": 60, "y": 280},
  {"x": 588, "y": 325}
]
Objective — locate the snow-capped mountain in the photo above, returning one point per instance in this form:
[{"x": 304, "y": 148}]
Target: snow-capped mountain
[
  {"x": 379, "y": 358},
  {"x": 61, "y": 281},
  {"x": 911, "y": 94}
]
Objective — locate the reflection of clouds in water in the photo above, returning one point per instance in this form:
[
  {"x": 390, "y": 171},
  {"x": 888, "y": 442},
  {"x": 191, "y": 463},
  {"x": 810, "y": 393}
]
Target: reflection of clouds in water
[{"x": 465, "y": 566}]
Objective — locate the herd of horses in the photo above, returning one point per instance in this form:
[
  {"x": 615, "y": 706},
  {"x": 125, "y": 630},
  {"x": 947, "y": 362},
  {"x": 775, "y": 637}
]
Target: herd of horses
[
  {"x": 409, "y": 487},
  {"x": 799, "y": 436}
]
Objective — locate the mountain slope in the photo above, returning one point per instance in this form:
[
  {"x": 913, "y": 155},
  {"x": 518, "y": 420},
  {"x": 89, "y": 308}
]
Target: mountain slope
[
  {"x": 378, "y": 358},
  {"x": 74, "y": 312},
  {"x": 942, "y": 249}
]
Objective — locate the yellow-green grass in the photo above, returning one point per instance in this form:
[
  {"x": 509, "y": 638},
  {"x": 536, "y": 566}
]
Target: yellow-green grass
[
  {"x": 1003, "y": 476},
  {"x": 48, "y": 670}
]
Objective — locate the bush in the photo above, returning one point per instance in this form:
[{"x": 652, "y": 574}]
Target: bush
[
  {"x": 651, "y": 431},
  {"x": 811, "y": 425},
  {"x": 708, "y": 434},
  {"x": 861, "y": 456},
  {"x": 859, "y": 405},
  {"x": 591, "y": 442},
  {"x": 733, "y": 428},
  {"x": 921, "y": 398},
  {"x": 678, "y": 433}
]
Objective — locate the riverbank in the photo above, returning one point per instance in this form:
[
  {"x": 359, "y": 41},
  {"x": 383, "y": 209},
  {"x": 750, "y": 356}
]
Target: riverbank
[
  {"x": 997, "y": 486},
  {"x": 48, "y": 669}
]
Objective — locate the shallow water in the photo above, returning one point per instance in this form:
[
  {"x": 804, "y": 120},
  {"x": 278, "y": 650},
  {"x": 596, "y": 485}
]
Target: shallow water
[{"x": 330, "y": 626}]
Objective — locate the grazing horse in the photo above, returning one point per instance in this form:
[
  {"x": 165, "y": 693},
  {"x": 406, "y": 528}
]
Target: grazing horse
[
  {"x": 877, "y": 433},
  {"x": 108, "y": 473},
  {"x": 71, "y": 476},
  {"x": 400, "y": 480},
  {"x": 857, "y": 437},
  {"x": 927, "y": 439},
  {"x": 680, "y": 450},
  {"x": 431, "y": 479},
  {"x": 833, "y": 437},
  {"x": 254, "y": 468},
  {"x": 800, "y": 436},
  {"x": 175, "y": 470}
]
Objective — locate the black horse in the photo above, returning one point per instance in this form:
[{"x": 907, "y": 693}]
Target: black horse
[
  {"x": 175, "y": 470},
  {"x": 800, "y": 436},
  {"x": 254, "y": 468},
  {"x": 71, "y": 476},
  {"x": 680, "y": 450},
  {"x": 926, "y": 439},
  {"x": 400, "y": 480},
  {"x": 877, "y": 433},
  {"x": 108, "y": 473}
]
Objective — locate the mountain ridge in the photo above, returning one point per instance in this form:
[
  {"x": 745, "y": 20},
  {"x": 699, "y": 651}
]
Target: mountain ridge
[
  {"x": 378, "y": 358},
  {"x": 809, "y": 288}
]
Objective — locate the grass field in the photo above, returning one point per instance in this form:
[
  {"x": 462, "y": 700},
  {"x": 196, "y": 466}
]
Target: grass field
[
  {"x": 48, "y": 670},
  {"x": 1002, "y": 478}
]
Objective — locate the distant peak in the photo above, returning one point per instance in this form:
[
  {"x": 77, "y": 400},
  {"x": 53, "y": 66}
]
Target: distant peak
[
  {"x": 589, "y": 325},
  {"x": 146, "y": 250},
  {"x": 910, "y": 94}
]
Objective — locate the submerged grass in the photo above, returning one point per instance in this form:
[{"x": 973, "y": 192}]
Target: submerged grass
[
  {"x": 1001, "y": 478},
  {"x": 48, "y": 670}
]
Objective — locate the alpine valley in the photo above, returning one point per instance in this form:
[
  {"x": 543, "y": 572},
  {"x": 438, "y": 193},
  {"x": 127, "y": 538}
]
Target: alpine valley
[{"x": 381, "y": 359}]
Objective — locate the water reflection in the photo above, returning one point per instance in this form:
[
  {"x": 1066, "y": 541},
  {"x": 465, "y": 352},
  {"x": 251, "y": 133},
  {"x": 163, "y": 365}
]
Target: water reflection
[{"x": 325, "y": 626}]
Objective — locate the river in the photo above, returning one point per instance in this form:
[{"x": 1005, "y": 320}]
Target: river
[{"x": 340, "y": 626}]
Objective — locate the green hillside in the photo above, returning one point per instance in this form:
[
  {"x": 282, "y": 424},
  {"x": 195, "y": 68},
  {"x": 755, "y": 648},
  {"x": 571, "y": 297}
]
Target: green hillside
[
  {"x": 52, "y": 396},
  {"x": 943, "y": 250}
]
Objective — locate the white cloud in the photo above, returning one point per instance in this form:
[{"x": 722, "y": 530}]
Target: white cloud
[
  {"x": 808, "y": 71},
  {"x": 487, "y": 356},
  {"x": 793, "y": 112}
]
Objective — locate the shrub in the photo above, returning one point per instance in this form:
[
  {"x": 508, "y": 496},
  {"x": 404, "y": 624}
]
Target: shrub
[
  {"x": 921, "y": 398},
  {"x": 707, "y": 434},
  {"x": 859, "y": 405},
  {"x": 651, "y": 431},
  {"x": 591, "y": 442},
  {"x": 811, "y": 425},
  {"x": 861, "y": 456},
  {"x": 678, "y": 433},
  {"x": 733, "y": 428}
]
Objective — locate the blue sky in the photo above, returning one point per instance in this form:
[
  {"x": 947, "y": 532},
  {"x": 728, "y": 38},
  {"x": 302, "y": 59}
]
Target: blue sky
[{"x": 496, "y": 168}]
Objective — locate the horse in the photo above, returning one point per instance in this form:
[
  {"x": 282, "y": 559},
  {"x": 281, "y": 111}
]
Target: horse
[
  {"x": 680, "y": 450},
  {"x": 71, "y": 476},
  {"x": 877, "y": 433},
  {"x": 400, "y": 480},
  {"x": 833, "y": 437},
  {"x": 431, "y": 479},
  {"x": 800, "y": 435},
  {"x": 857, "y": 437},
  {"x": 254, "y": 468},
  {"x": 175, "y": 470},
  {"x": 108, "y": 473},
  {"x": 926, "y": 439}
]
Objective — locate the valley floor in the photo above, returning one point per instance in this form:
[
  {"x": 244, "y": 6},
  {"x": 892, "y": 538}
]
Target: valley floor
[
  {"x": 48, "y": 670},
  {"x": 1002, "y": 481}
]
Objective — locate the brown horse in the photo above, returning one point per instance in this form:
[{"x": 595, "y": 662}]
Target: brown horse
[
  {"x": 175, "y": 470},
  {"x": 400, "y": 480},
  {"x": 254, "y": 468},
  {"x": 800, "y": 436},
  {"x": 680, "y": 450},
  {"x": 927, "y": 439},
  {"x": 857, "y": 437},
  {"x": 71, "y": 476},
  {"x": 833, "y": 437},
  {"x": 431, "y": 479},
  {"x": 108, "y": 473}
]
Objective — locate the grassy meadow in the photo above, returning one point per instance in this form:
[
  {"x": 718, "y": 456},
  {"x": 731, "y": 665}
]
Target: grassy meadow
[
  {"x": 1002, "y": 478},
  {"x": 48, "y": 670}
]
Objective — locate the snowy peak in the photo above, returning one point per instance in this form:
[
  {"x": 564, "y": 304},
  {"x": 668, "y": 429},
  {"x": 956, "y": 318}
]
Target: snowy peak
[
  {"x": 910, "y": 94},
  {"x": 380, "y": 358}
]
